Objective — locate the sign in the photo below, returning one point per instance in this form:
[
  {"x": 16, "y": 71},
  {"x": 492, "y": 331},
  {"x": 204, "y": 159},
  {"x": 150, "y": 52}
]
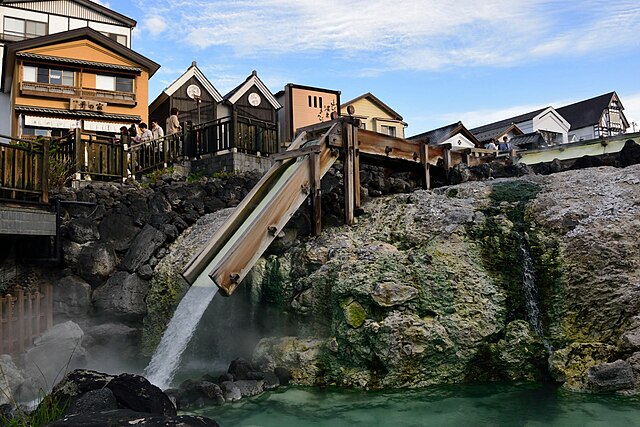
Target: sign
[
  {"x": 51, "y": 122},
  {"x": 102, "y": 126},
  {"x": 86, "y": 105}
]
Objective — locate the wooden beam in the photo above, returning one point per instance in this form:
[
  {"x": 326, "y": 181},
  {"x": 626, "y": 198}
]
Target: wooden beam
[
  {"x": 356, "y": 167},
  {"x": 347, "y": 174},
  {"x": 290, "y": 154},
  {"x": 389, "y": 146},
  {"x": 424, "y": 160},
  {"x": 316, "y": 194}
]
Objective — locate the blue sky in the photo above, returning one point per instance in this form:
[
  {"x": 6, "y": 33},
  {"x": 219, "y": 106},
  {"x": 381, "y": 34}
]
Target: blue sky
[{"x": 433, "y": 61}]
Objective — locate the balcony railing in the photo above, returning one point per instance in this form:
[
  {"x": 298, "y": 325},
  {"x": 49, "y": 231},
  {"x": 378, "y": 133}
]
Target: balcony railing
[
  {"x": 16, "y": 37},
  {"x": 60, "y": 91}
]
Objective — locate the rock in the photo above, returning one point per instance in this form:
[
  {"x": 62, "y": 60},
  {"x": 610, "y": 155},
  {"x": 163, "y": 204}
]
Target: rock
[
  {"x": 196, "y": 394},
  {"x": 613, "y": 376},
  {"x": 10, "y": 380},
  {"x": 569, "y": 365},
  {"x": 125, "y": 417},
  {"x": 145, "y": 244},
  {"x": 354, "y": 314},
  {"x": 71, "y": 298},
  {"x": 301, "y": 357},
  {"x": 56, "y": 350},
  {"x": 93, "y": 401},
  {"x": 630, "y": 340},
  {"x": 389, "y": 294},
  {"x": 136, "y": 393},
  {"x": 123, "y": 296},
  {"x": 231, "y": 391},
  {"x": 76, "y": 383},
  {"x": 250, "y": 388},
  {"x": 283, "y": 374},
  {"x": 96, "y": 262},
  {"x": 106, "y": 339},
  {"x": 521, "y": 354},
  {"x": 83, "y": 230},
  {"x": 240, "y": 369},
  {"x": 119, "y": 230}
]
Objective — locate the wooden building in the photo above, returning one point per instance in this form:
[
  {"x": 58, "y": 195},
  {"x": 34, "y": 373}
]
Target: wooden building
[
  {"x": 192, "y": 94},
  {"x": 304, "y": 106},
  {"x": 375, "y": 115},
  {"x": 455, "y": 134},
  {"x": 598, "y": 117},
  {"x": 74, "y": 79}
]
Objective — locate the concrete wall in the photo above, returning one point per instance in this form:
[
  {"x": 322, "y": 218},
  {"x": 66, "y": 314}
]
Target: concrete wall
[{"x": 231, "y": 162}]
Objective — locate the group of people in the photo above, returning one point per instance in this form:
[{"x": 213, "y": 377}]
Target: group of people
[
  {"x": 142, "y": 133},
  {"x": 504, "y": 145}
]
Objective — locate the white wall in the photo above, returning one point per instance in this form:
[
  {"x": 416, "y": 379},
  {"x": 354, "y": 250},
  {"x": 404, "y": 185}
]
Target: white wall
[
  {"x": 58, "y": 24},
  {"x": 458, "y": 142},
  {"x": 584, "y": 133},
  {"x": 550, "y": 120},
  {"x": 5, "y": 114}
]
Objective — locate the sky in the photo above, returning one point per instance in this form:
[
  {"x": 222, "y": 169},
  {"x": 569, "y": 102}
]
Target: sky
[{"x": 435, "y": 62}]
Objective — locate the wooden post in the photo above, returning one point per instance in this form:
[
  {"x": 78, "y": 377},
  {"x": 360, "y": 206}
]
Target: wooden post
[
  {"x": 30, "y": 335},
  {"x": 45, "y": 172},
  {"x": 424, "y": 160},
  {"x": 447, "y": 159},
  {"x": 356, "y": 167},
  {"x": 316, "y": 195},
  {"x": 20, "y": 319},
  {"x": 37, "y": 313},
  {"x": 10, "y": 323},
  {"x": 347, "y": 172},
  {"x": 78, "y": 152}
]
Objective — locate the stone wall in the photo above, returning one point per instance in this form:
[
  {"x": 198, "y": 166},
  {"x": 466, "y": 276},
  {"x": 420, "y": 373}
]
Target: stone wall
[{"x": 231, "y": 162}]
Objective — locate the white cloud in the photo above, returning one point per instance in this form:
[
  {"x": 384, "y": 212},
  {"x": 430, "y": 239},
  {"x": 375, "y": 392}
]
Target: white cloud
[
  {"x": 103, "y": 3},
  {"x": 154, "y": 24},
  {"x": 631, "y": 104}
]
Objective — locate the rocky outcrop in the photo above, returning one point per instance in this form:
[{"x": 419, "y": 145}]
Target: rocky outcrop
[{"x": 427, "y": 288}]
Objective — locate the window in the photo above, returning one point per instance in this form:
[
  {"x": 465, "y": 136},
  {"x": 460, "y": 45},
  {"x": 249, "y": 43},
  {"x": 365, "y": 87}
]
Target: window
[
  {"x": 309, "y": 100},
  {"x": 388, "y": 130},
  {"x": 117, "y": 37},
  {"x": 114, "y": 83},
  {"x": 20, "y": 29},
  {"x": 320, "y": 101},
  {"x": 39, "y": 74}
]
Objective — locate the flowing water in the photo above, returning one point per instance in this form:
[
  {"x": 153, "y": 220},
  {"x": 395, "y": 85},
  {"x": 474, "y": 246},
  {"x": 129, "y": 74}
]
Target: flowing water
[
  {"x": 531, "y": 296},
  {"x": 181, "y": 328},
  {"x": 463, "y": 405}
]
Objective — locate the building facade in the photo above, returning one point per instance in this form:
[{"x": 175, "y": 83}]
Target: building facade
[
  {"x": 375, "y": 115},
  {"x": 52, "y": 87},
  {"x": 304, "y": 106},
  {"x": 598, "y": 117},
  {"x": 455, "y": 134}
]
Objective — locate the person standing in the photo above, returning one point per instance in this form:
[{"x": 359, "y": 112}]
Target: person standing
[
  {"x": 156, "y": 130},
  {"x": 173, "y": 124},
  {"x": 133, "y": 133},
  {"x": 145, "y": 134}
]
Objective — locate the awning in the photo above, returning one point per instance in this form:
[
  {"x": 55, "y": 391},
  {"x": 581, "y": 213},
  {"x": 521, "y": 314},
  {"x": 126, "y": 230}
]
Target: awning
[
  {"x": 51, "y": 122},
  {"x": 102, "y": 126}
]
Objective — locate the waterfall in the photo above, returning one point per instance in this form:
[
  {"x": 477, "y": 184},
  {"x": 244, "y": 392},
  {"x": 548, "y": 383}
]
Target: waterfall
[
  {"x": 167, "y": 357},
  {"x": 531, "y": 296}
]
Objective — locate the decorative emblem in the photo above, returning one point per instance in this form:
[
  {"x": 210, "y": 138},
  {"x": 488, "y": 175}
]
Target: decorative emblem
[{"x": 254, "y": 99}]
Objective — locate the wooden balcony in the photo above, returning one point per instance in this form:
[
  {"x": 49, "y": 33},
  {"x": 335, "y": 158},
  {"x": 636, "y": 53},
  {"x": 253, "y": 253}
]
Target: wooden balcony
[{"x": 66, "y": 92}]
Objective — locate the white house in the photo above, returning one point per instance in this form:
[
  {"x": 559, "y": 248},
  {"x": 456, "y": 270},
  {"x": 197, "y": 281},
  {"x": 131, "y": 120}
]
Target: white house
[
  {"x": 597, "y": 117},
  {"x": 547, "y": 121},
  {"x": 455, "y": 134}
]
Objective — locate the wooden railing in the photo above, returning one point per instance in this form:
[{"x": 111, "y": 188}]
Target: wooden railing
[
  {"x": 24, "y": 167},
  {"x": 61, "y": 91},
  {"x": 23, "y": 317}
]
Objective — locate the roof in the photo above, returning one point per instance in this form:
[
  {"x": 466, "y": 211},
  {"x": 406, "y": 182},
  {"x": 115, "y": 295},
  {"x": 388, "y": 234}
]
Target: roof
[
  {"x": 243, "y": 87},
  {"x": 377, "y": 101},
  {"x": 532, "y": 138},
  {"x": 588, "y": 112},
  {"x": 12, "y": 49},
  {"x": 77, "y": 113},
  {"x": 92, "y": 64},
  {"x": 496, "y": 133},
  {"x": 506, "y": 123},
  {"x": 436, "y": 136},
  {"x": 90, "y": 5},
  {"x": 192, "y": 71}
]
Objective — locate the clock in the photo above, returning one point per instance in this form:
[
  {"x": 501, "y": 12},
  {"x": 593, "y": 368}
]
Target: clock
[
  {"x": 254, "y": 99},
  {"x": 193, "y": 91}
]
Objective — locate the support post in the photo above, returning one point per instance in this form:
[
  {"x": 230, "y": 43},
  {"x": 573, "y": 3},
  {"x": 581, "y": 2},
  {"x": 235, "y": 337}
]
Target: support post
[
  {"x": 20, "y": 319},
  {"x": 79, "y": 153},
  {"x": 424, "y": 160},
  {"x": 45, "y": 172},
  {"x": 347, "y": 173},
  {"x": 356, "y": 167},
  {"x": 316, "y": 211},
  {"x": 447, "y": 159}
]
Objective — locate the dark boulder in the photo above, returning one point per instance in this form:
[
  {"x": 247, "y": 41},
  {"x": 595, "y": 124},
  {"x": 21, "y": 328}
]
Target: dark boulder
[
  {"x": 145, "y": 244},
  {"x": 240, "y": 369},
  {"x": 82, "y": 230},
  {"x": 119, "y": 230},
  {"x": 196, "y": 394},
  {"x": 250, "y": 388},
  {"x": 93, "y": 401},
  {"x": 283, "y": 374},
  {"x": 96, "y": 262},
  {"x": 126, "y": 417},
  {"x": 138, "y": 394},
  {"x": 231, "y": 391},
  {"x": 613, "y": 376}
]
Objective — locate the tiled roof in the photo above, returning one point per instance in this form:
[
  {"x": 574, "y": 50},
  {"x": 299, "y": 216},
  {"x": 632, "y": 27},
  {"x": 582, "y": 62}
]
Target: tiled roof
[
  {"x": 587, "y": 112},
  {"x": 73, "y": 61},
  {"x": 77, "y": 114},
  {"x": 533, "y": 138},
  {"x": 502, "y": 125},
  {"x": 436, "y": 135}
]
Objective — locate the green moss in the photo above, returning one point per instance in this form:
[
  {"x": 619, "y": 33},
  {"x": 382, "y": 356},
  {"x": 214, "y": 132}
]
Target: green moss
[{"x": 354, "y": 314}]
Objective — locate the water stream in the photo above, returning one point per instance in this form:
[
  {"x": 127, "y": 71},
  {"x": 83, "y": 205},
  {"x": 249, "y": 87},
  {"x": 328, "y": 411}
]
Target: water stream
[
  {"x": 168, "y": 355},
  {"x": 531, "y": 296}
]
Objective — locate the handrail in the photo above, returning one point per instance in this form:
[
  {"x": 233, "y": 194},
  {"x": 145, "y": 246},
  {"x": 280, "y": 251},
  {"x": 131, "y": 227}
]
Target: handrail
[{"x": 100, "y": 94}]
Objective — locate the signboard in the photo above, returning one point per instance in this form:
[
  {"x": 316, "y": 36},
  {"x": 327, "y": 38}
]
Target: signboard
[
  {"x": 84, "y": 104},
  {"x": 51, "y": 122},
  {"x": 102, "y": 126}
]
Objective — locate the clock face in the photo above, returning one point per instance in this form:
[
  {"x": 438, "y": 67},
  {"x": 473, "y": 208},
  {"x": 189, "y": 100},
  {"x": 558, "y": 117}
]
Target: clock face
[{"x": 254, "y": 99}]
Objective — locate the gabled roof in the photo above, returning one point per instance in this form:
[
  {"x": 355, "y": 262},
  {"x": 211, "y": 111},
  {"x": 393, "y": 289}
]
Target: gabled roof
[
  {"x": 502, "y": 125},
  {"x": 496, "y": 133},
  {"x": 253, "y": 79},
  {"x": 91, "y": 64},
  {"x": 588, "y": 112},
  {"x": 77, "y": 113},
  {"x": 84, "y": 33},
  {"x": 527, "y": 139},
  {"x": 376, "y": 101},
  {"x": 47, "y": 5},
  {"x": 192, "y": 71},
  {"x": 443, "y": 133}
]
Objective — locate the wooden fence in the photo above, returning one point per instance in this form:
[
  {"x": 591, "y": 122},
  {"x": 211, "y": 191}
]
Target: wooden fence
[
  {"x": 24, "y": 168},
  {"x": 23, "y": 317}
]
